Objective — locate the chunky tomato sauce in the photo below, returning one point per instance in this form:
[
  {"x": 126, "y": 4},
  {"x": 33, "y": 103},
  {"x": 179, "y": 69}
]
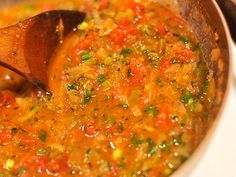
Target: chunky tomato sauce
[{"x": 131, "y": 96}]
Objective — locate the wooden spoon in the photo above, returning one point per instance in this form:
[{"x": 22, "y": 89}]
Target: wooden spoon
[{"x": 27, "y": 46}]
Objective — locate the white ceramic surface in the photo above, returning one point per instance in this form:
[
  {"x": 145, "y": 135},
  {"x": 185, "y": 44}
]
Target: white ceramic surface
[{"x": 219, "y": 160}]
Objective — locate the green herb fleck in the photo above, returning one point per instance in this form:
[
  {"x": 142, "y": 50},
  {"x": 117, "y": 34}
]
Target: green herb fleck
[
  {"x": 106, "y": 166},
  {"x": 146, "y": 30},
  {"x": 182, "y": 38},
  {"x": 191, "y": 104},
  {"x": 85, "y": 56},
  {"x": 148, "y": 109},
  {"x": 88, "y": 93},
  {"x": 187, "y": 97},
  {"x": 206, "y": 87},
  {"x": 150, "y": 141},
  {"x": 43, "y": 135},
  {"x": 135, "y": 141},
  {"x": 175, "y": 61},
  {"x": 30, "y": 7},
  {"x": 145, "y": 52},
  {"x": 106, "y": 133},
  {"x": 125, "y": 52},
  {"x": 181, "y": 91},
  {"x": 158, "y": 80},
  {"x": 72, "y": 86},
  {"x": 21, "y": 170},
  {"x": 87, "y": 100},
  {"x": 110, "y": 121},
  {"x": 155, "y": 112},
  {"x": 121, "y": 165},
  {"x": 121, "y": 127},
  {"x": 152, "y": 148},
  {"x": 101, "y": 78}
]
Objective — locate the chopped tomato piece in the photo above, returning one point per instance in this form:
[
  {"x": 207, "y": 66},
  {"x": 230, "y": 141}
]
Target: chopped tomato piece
[
  {"x": 123, "y": 30},
  {"x": 41, "y": 164},
  {"x": 119, "y": 93},
  {"x": 138, "y": 8},
  {"x": 126, "y": 133},
  {"x": 185, "y": 55},
  {"x": 26, "y": 138},
  {"x": 83, "y": 44},
  {"x": 6, "y": 98},
  {"x": 161, "y": 29},
  {"x": 136, "y": 74},
  {"x": 179, "y": 21},
  {"x": 123, "y": 22},
  {"x": 58, "y": 165},
  {"x": 5, "y": 135},
  {"x": 165, "y": 63},
  {"x": 163, "y": 121},
  {"x": 103, "y": 4}
]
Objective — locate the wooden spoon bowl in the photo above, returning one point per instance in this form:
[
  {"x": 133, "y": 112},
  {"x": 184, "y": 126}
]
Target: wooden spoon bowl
[{"x": 27, "y": 46}]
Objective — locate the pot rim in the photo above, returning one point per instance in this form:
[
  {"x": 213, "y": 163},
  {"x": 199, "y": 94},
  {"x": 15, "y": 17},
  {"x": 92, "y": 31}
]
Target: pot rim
[{"x": 186, "y": 168}]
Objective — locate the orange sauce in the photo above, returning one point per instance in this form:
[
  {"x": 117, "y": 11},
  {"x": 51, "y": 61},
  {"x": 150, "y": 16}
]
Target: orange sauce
[{"x": 130, "y": 96}]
